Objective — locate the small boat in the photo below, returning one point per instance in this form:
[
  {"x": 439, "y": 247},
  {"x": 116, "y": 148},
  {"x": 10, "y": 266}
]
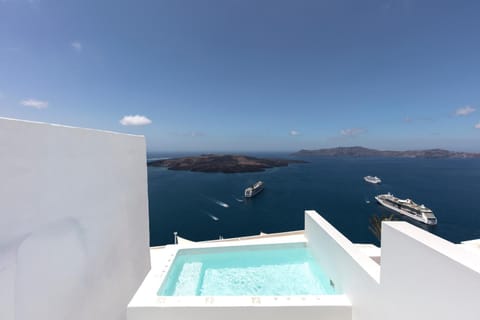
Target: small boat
[
  {"x": 408, "y": 208},
  {"x": 253, "y": 190},
  {"x": 374, "y": 180}
]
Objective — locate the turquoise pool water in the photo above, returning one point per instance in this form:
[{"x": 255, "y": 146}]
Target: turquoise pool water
[{"x": 276, "y": 270}]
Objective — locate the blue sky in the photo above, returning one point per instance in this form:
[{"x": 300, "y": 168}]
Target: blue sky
[{"x": 248, "y": 75}]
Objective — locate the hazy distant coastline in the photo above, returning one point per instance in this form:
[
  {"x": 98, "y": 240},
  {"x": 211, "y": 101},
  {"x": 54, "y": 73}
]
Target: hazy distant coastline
[
  {"x": 221, "y": 163},
  {"x": 366, "y": 152}
]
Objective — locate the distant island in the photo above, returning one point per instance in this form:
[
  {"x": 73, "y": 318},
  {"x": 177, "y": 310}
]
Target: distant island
[
  {"x": 222, "y": 163},
  {"x": 366, "y": 152}
]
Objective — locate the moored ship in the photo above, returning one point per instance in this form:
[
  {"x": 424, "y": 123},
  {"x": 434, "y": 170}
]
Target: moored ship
[
  {"x": 408, "y": 208},
  {"x": 253, "y": 190},
  {"x": 374, "y": 180}
]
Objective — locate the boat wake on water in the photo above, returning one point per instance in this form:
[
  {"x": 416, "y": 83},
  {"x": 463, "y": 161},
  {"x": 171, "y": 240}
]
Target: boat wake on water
[
  {"x": 214, "y": 218},
  {"x": 221, "y": 203},
  {"x": 239, "y": 200},
  {"x": 218, "y": 202}
]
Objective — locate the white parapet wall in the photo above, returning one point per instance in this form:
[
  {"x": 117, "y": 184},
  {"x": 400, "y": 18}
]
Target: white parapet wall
[
  {"x": 74, "y": 241},
  {"x": 426, "y": 277},
  {"x": 421, "y": 276},
  {"x": 352, "y": 271}
]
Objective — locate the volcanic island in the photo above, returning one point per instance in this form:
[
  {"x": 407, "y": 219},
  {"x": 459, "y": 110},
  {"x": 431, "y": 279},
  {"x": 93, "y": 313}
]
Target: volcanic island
[{"x": 222, "y": 163}]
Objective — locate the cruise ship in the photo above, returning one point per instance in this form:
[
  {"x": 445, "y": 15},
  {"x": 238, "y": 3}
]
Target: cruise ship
[
  {"x": 371, "y": 179},
  {"x": 253, "y": 190},
  {"x": 408, "y": 208}
]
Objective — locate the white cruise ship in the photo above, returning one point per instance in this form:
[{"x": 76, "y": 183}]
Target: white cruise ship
[
  {"x": 252, "y": 191},
  {"x": 374, "y": 180},
  {"x": 408, "y": 208}
]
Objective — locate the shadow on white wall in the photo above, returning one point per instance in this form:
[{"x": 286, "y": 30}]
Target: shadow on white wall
[{"x": 51, "y": 275}]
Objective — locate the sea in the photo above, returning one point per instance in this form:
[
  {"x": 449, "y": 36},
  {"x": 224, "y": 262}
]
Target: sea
[{"x": 206, "y": 206}]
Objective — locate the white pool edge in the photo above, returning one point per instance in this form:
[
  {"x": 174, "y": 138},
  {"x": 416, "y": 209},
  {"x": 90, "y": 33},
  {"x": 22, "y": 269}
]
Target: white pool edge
[{"x": 162, "y": 259}]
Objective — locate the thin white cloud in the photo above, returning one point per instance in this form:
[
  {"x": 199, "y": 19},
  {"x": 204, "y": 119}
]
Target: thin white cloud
[
  {"x": 77, "y": 46},
  {"x": 135, "y": 120},
  {"x": 352, "y": 132},
  {"x": 192, "y": 134},
  {"x": 33, "y": 103},
  {"x": 477, "y": 126},
  {"x": 294, "y": 133},
  {"x": 196, "y": 134},
  {"x": 465, "y": 111}
]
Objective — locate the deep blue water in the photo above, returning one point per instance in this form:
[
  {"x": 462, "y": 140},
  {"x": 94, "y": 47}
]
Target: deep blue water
[{"x": 188, "y": 202}]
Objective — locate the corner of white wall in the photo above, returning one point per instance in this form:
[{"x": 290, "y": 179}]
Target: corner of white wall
[
  {"x": 74, "y": 239},
  {"x": 431, "y": 277}
]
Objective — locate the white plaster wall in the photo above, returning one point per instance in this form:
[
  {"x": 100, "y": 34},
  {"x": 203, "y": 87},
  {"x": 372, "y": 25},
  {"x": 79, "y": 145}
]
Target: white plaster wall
[
  {"x": 421, "y": 276},
  {"x": 74, "y": 241},
  {"x": 353, "y": 272},
  {"x": 426, "y": 277}
]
